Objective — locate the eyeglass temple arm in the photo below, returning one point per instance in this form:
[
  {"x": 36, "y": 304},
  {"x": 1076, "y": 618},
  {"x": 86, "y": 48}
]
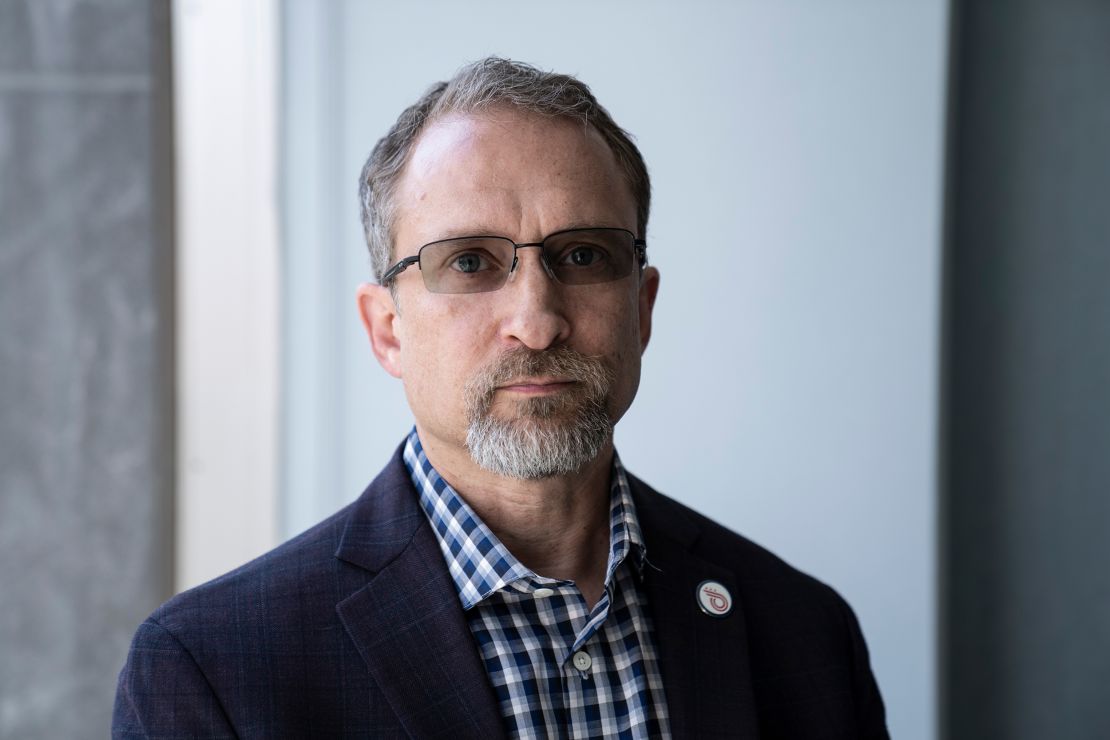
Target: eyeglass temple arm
[{"x": 398, "y": 268}]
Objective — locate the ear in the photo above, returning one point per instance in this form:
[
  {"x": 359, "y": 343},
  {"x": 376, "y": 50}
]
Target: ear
[
  {"x": 381, "y": 320},
  {"x": 649, "y": 287}
]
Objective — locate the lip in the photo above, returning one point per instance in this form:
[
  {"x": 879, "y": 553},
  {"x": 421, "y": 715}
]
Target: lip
[{"x": 536, "y": 386}]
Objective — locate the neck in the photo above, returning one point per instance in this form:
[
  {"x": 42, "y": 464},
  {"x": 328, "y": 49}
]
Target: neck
[{"x": 558, "y": 526}]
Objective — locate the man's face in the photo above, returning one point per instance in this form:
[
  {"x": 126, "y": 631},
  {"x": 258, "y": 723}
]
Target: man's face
[{"x": 521, "y": 176}]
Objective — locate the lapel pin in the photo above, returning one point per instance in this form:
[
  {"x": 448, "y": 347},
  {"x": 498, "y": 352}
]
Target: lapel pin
[{"x": 714, "y": 599}]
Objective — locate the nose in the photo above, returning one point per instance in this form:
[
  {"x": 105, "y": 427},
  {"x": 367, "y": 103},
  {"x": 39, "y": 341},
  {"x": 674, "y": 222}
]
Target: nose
[
  {"x": 543, "y": 258},
  {"x": 535, "y": 306}
]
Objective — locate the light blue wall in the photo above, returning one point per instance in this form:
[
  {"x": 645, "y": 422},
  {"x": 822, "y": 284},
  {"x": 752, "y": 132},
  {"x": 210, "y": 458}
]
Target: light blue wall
[{"x": 790, "y": 388}]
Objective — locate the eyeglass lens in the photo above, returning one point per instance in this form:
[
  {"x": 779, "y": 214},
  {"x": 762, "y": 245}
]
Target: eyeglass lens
[{"x": 481, "y": 264}]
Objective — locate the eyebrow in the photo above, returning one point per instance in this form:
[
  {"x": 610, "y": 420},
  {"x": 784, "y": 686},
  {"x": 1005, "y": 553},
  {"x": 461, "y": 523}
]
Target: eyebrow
[{"x": 464, "y": 233}]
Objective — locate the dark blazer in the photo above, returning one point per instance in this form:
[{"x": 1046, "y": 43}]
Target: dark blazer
[{"x": 354, "y": 629}]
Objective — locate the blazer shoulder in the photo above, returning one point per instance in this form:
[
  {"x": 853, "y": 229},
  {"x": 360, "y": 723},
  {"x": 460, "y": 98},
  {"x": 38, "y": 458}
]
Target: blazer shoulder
[
  {"x": 797, "y": 625},
  {"x": 372, "y": 526},
  {"x": 662, "y": 516},
  {"x": 289, "y": 566}
]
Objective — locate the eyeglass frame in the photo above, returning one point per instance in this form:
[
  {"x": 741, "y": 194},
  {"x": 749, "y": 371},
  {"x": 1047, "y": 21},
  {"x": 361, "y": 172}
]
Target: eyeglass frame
[{"x": 639, "y": 247}]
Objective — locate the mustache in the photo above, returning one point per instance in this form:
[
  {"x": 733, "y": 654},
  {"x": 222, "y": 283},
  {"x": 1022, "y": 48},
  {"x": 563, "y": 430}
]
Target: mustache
[{"x": 560, "y": 362}]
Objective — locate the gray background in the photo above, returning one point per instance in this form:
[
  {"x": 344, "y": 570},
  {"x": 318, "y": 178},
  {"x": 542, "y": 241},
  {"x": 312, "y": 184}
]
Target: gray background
[
  {"x": 1027, "y": 504},
  {"x": 86, "y": 337}
]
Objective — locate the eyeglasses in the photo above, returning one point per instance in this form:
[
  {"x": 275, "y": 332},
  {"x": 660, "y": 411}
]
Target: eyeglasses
[{"x": 479, "y": 264}]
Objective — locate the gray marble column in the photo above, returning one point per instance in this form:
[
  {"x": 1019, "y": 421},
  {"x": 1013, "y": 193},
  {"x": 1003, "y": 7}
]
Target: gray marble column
[
  {"x": 86, "y": 364},
  {"x": 1027, "y": 487}
]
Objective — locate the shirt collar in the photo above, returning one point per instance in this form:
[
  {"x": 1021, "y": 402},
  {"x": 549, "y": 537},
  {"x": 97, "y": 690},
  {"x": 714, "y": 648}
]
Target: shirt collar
[{"x": 477, "y": 560}]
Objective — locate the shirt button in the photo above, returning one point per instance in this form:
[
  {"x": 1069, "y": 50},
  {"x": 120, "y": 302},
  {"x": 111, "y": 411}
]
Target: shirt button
[
  {"x": 582, "y": 661},
  {"x": 542, "y": 593}
]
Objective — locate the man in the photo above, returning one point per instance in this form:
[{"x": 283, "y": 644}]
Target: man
[{"x": 504, "y": 575}]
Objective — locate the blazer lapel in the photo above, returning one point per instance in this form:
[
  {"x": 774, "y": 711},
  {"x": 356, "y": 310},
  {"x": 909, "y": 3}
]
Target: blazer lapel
[
  {"x": 407, "y": 623},
  {"x": 704, "y": 659}
]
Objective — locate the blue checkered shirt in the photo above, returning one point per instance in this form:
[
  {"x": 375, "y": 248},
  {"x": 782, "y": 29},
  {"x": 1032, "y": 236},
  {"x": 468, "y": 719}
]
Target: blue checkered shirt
[{"x": 558, "y": 668}]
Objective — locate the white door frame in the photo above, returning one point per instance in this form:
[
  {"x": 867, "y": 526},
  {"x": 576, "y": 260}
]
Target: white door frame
[{"x": 226, "y": 72}]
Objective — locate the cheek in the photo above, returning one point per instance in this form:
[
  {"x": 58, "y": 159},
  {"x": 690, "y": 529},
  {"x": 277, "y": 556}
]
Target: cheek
[
  {"x": 630, "y": 342},
  {"x": 627, "y": 327},
  {"x": 613, "y": 331},
  {"x": 439, "y": 354}
]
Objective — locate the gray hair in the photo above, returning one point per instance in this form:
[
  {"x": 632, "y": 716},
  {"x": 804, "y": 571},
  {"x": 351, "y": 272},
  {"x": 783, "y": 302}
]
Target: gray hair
[{"x": 483, "y": 84}]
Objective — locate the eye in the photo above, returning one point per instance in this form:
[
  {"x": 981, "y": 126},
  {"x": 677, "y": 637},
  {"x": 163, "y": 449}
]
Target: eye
[
  {"x": 583, "y": 255},
  {"x": 469, "y": 262}
]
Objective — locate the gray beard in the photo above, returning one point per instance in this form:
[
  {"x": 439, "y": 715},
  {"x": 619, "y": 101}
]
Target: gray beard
[{"x": 548, "y": 436}]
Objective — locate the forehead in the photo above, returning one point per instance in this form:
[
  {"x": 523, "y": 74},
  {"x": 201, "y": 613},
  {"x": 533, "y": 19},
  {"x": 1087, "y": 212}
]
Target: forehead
[{"x": 510, "y": 173}]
